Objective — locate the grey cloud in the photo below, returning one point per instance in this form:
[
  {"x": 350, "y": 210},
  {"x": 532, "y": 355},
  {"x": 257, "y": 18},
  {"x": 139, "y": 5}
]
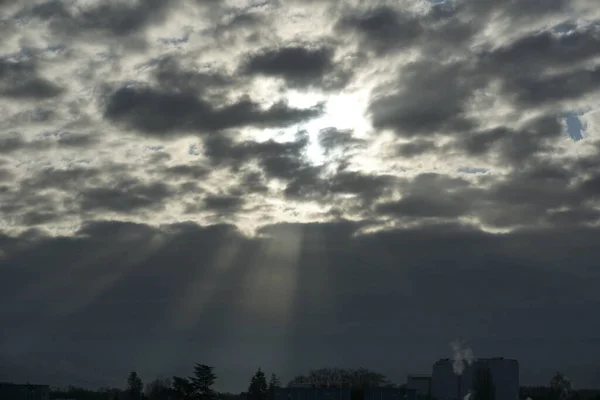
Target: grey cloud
[
  {"x": 568, "y": 86},
  {"x": 429, "y": 98},
  {"x": 537, "y": 194},
  {"x": 62, "y": 179},
  {"x": 536, "y": 70},
  {"x": 332, "y": 139},
  {"x": 432, "y": 195},
  {"x": 383, "y": 29},
  {"x": 591, "y": 186},
  {"x": 75, "y": 313},
  {"x": 77, "y": 140},
  {"x": 78, "y": 308},
  {"x": 53, "y": 194},
  {"x": 514, "y": 146},
  {"x": 301, "y": 66},
  {"x": 537, "y": 53},
  {"x": 11, "y": 143},
  {"x": 429, "y": 206},
  {"x": 366, "y": 186},
  {"x": 6, "y": 175},
  {"x": 278, "y": 160},
  {"x": 163, "y": 113},
  {"x": 287, "y": 161},
  {"x": 306, "y": 184},
  {"x": 125, "y": 197},
  {"x": 514, "y": 9},
  {"x": 170, "y": 74},
  {"x": 187, "y": 171},
  {"x": 416, "y": 148},
  {"x": 223, "y": 203},
  {"x": 14, "y": 142},
  {"x": 117, "y": 19},
  {"x": 253, "y": 182},
  {"x": 20, "y": 80}
]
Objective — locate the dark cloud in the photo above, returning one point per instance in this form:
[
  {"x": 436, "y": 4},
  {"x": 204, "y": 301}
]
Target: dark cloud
[
  {"x": 429, "y": 98},
  {"x": 278, "y": 159},
  {"x": 223, "y": 203},
  {"x": 14, "y": 142},
  {"x": 539, "y": 53},
  {"x": 163, "y": 113},
  {"x": 383, "y": 29},
  {"x": 77, "y": 140},
  {"x": 539, "y": 194},
  {"x": 567, "y": 86},
  {"x": 125, "y": 197},
  {"x": 416, "y": 148},
  {"x": 186, "y": 171},
  {"x": 513, "y": 146},
  {"x": 114, "y": 18},
  {"x": 253, "y": 182},
  {"x": 431, "y": 195},
  {"x": 474, "y": 94},
  {"x": 11, "y": 143},
  {"x": 332, "y": 139},
  {"x": 67, "y": 307},
  {"x": 300, "y": 66},
  {"x": 512, "y": 9},
  {"x": 5, "y": 175},
  {"x": 367, "y": 186},
  {"x": 20, "y": 80},
  {"x": 171, "y": 75}
]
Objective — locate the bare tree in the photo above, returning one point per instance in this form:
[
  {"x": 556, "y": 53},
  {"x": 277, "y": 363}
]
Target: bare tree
[
  {"x": 158, "y": 389},
  {"x": 134, "y": 386},
  {"x": 340, "y": 377},
  {"x": 560, "y": 387}
]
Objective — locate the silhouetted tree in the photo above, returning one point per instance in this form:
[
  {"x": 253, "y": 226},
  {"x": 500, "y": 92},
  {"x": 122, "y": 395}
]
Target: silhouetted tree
[
  {"x": 274, "y": 383},
  {"x": 483, "y": 384},
  {"x": 158, "y": 389},
  {"x": 134, "y": 386},
  {"x": 560, "y": 387},
  {"x": 258, "y": 387},
  {"x": 182, "y": 389},
  {"x": 202, "y": 381},
  {"x": 359, "y": 378}
]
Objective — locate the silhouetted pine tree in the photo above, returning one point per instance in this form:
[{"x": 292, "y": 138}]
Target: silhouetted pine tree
[
  {"x": 274, "y": 383},
  {"x": 258, "y": 389},
  {"x": 202, "y": 381}
]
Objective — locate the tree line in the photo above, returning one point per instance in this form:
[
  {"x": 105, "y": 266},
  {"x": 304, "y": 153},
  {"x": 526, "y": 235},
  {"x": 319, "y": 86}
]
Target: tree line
[{"x": 199, "y": 386}]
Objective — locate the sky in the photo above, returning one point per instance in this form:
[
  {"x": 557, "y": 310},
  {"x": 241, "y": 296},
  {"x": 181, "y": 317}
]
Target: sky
[{"x": 295, "y": 184}]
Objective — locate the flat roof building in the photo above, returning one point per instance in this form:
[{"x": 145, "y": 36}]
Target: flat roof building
[{"x": 447, "y": 385}]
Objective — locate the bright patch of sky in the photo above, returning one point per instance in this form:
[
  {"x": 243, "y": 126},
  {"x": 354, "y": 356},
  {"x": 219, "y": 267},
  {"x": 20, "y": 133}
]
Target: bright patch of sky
[
  {"x": 574, "y": 125},
  {"x": 471, "y": 170},
  {"x": 444, "y": 4}
]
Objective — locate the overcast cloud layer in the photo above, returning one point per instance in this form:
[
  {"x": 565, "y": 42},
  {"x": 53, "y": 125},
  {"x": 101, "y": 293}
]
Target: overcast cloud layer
[{"x": 292, "y": 184}]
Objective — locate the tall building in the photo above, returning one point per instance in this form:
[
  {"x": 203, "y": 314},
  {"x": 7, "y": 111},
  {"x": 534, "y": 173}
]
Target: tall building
[
  {"x": 447, "y": 385},
  {"x": 421, "y": 384},
  {"x": 12, "y": 391}
]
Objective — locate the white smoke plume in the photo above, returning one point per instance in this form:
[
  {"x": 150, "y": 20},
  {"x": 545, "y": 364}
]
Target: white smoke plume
[{"x": 461, "y": 355}]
